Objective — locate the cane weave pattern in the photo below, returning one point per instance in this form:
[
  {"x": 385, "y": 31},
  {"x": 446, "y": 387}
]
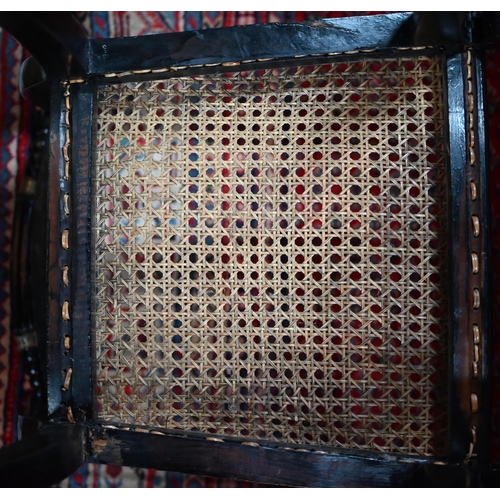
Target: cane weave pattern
[{"x": 268, "y": 254}]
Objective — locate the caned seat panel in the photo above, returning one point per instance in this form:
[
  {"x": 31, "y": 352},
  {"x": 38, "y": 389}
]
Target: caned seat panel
[{"x": 270, "y": 254}]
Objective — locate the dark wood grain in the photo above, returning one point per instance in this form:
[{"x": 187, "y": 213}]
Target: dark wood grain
[
  {"x": 273, "y": 465},
  {"x": 263, "y": 464},
  {"x": 54, "y": 321}
]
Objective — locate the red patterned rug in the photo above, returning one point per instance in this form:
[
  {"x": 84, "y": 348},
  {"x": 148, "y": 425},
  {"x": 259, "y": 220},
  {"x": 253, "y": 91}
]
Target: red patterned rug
[{"x": 15, "y": 116}]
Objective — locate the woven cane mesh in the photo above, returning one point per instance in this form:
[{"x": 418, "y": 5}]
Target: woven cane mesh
[{"x": 268, "y": 252}]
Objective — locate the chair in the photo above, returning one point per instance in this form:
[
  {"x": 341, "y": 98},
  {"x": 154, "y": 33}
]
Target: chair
[{"x": 266, "y": 251}]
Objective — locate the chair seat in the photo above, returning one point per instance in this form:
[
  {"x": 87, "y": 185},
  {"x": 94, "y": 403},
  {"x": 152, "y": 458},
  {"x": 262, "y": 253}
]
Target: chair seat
[{"x": 269, "y": 254}]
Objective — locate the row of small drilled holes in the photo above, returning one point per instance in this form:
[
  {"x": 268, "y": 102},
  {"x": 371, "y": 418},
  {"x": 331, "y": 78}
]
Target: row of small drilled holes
[
  {"x": 475, "y": 264},
  {"x": 65, "y": 252},
  {"x": 248, "y": 61}
]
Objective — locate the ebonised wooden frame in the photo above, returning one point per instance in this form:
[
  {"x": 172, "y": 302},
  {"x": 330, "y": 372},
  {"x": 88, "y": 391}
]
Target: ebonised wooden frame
[{"x": 72, "y": 108}]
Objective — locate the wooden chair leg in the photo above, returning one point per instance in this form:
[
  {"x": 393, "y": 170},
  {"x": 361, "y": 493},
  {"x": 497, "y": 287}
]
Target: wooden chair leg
[
  {"x": 43, "y": 458},
  {"x": 56, "y": 40}
]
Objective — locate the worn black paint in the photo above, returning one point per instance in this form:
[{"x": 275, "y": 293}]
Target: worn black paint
[
  {"x": 250, "y": 42},
  {"x": 60, "y": 45},
  {"x": 486, "y": 299},
  {"x": 272, "y": 465},
  {"x": 458, "y": 265},
  {"x": 264, "y": 464},
  {"x": 82, "y": 113}
]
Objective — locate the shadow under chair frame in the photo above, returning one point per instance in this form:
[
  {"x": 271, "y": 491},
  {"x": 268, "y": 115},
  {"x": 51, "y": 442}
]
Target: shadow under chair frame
[{"x": 52, "y": 320}]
